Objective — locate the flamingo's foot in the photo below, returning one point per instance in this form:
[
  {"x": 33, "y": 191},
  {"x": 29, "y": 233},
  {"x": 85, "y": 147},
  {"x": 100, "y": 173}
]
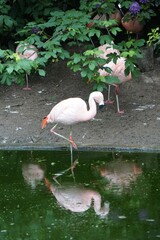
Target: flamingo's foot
[
  {"x": 109, "y": 101},
  {"x": 120, "y": 112},
  {"x": 27, "y": 88},
  {"x": 74, "y": 145}
]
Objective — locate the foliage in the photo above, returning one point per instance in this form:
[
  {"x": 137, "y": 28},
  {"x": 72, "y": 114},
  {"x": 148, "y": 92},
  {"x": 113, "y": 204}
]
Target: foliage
[
  {"x": 154, "y": 39},
  {"x": 141, "y": 9},
  {"x": 55, "y": 28},
  {"x": 153, "y": 36}
]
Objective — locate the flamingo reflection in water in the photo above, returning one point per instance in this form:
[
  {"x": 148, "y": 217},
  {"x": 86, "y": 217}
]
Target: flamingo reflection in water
[
  {"x": 78, "y": 199},
  {"x": 120, "y": 174},
  {"x": 33, "y": 174}
]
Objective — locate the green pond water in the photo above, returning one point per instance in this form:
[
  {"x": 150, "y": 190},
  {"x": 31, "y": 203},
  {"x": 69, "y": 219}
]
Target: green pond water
[{"x": 110, "y": 196}]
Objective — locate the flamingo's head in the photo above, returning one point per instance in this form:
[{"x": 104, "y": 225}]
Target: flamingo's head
[{"x": 44, "y": 122}]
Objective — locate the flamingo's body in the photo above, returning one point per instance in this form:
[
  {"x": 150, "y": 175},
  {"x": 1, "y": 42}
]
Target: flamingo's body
[
  {"x": 78, "y": 199},
  {"x": 29, "y": 52},
  {"x": 107, "y": 49},
  {"x": 72, "y": 111},
  {"x": 117, "y": 69}
]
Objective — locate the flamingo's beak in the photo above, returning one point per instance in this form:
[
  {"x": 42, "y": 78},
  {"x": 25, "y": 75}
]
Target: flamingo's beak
[
  {"x": 101, "y": 106},
  {"x": 44, "y": 122}
]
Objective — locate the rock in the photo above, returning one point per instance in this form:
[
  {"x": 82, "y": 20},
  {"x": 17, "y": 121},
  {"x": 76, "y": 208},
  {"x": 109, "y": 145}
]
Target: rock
[{"x": 146, "y": 63}]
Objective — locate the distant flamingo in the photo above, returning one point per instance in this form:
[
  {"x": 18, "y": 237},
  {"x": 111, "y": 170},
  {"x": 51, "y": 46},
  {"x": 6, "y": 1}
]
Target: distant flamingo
[
  {"x": 33, "y": 174},
  {"x": 78, "y": 199},
  {"x": 117, "y": 68},
  {"x": 72, "y": 111},
  {"x": 29, "y": 52},
  {"x": 120, "y": 174}
]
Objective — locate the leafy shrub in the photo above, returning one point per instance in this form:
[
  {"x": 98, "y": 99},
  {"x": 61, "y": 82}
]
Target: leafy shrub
[{"x": 54, "y": 28}]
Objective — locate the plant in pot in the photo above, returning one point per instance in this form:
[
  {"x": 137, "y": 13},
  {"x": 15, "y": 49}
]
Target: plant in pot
[{"x": 139, "y": 12}]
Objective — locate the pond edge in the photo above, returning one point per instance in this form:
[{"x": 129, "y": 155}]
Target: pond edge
[{"x": 80, "y": 148}]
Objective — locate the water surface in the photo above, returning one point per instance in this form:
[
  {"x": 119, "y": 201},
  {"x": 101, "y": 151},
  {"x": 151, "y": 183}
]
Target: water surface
[{"x": 40, "y": 199}]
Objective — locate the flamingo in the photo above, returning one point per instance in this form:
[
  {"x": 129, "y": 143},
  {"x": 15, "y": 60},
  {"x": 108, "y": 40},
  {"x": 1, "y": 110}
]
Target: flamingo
[
  {"x": 78, "y": 199},
  {"x": 120, "y": 174},
  {"x": 33, "y": 174},
  {"x": 29, "y": 52},
  {"x": 117, "y": 68},
  {"x": 71, "y": 111}
]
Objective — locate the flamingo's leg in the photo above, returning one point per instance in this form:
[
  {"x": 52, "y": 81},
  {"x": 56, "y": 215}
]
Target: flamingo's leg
[
  {"x": 109, "y": 92},
  {"x": 71, "y": 141},
  {"x": 73, "y": 164},
  {"x": 71, "y": 150},
  {"x": 59, "y": 135},
  {"x": 27, "y": 81},
  {"x": 117, "y": 100},
  {"x": 56, "y": 175}
]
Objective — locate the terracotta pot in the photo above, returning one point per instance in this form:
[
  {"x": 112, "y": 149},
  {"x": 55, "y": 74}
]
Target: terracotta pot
[
  {"x": 116, "y": 16},
  {"x": 132, "y": 25},
  {"x": 97, "y": 17}
]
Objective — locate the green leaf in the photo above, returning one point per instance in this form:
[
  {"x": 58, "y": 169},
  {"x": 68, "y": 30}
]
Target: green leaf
[
  {"x": 8, "y": 81},
  {"x": 93, "y": 32},
  {"x": 10, "y": 69},
  {"x": 1, "y": 20},
  {"x": 8, "y": 21},
  {"x": 114, "y": 30},
  {"x": 100, "y": 88},
  {"x": 92, "y": 65},
  {"x": 105, "y": 39},
  {"x": 1, "y": 68},
  {"x": 83, "y": 73},
  {"x": 41, "y": 72},
  {"x": 77, "y": 58},
  {"x": 112, "y": 80}
]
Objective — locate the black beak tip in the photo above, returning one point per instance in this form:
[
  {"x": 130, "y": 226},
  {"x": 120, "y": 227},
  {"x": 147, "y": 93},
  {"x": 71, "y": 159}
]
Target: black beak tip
[{"x": 101, "y": 107}]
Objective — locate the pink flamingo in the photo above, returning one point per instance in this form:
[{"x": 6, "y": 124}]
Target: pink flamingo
[
  {"x": 78, "y": 199},
  {"x": 120, "y": 174},
  {"x": 117, "y": 69},
  {"x": 29, "y": 52},
  {"x": 72, "y": 111}
]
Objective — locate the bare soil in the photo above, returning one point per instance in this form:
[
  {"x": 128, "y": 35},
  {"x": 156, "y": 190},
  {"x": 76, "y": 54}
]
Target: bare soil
[{"x": 22, "y": 112}]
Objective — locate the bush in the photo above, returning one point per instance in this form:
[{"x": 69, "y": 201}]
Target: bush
[{"x": 53, "y": 25}]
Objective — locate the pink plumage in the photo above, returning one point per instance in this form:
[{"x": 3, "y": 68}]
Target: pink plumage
[
  {"x": 117, "y": 70},
  {"x": 73, "y": 110},
  {"x": 29, "y": 52}
]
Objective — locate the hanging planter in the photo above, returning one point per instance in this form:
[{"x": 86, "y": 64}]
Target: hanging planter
[
  {"x": 106, "y": 17},
  {"x": 116, "y": 16},
  {"x": 132, "y": 25}
]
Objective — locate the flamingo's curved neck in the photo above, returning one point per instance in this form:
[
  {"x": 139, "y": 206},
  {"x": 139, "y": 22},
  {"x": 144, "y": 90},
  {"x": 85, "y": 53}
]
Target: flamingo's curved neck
[
  {"x": 97, "y": 205},
  {"x": 92, "y": 108}
]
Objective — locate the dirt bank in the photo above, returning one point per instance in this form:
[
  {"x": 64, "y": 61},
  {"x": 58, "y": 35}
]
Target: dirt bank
[{"x": 22, "y": 112}]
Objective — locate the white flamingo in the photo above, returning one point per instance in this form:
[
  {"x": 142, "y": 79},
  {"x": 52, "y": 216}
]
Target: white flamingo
[
  {"x": 71, "y": 111},
  {"x": 78, "y": 199}
]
